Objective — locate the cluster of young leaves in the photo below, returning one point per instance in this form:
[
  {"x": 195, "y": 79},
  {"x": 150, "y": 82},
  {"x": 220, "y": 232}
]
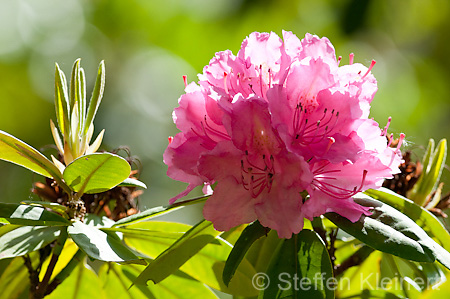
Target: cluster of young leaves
[
  {"x": 31, "y": 226},
  {"x": 57, "y": 250}
]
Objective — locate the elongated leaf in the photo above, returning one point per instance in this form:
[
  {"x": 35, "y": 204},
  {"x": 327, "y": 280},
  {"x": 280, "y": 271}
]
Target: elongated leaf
[
  {"x": 61, "y": 101},
  {"x": 157, "y": 211},
  {"x": 15, "y": 279},
  {"x": 301, "y": 268},
  {"x": 100, "y": 245},
  {"x": 18, "y": 152},
  {"x": 83, "y": 283},
  {"x": 145, "y": 215},
  {"x": 421, "y": 216},
  {"x": 263, "y": 252},
  {"x": 176, "y": 255},
  {"x": 129, "y": 182},
  {"x": 251, "y": 233},
  {"x": 152, "y": 238},
  {"x": 30, "y": 215},
  {"x": 60, "y": 209},
  {"x": 77, "y": 96},
  {"x": 116, "y": 280},
  {"x": 391, "y": 231},
  {"x": 96, "y": 173},
  {"x": 26, "y": 239},
  {"x": 434, "y": 162},
  {"x": 96, "y": 97}
]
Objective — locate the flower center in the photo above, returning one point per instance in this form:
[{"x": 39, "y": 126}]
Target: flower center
[
  {"x": 309, "y": 133},
  {"x": 257, "y": 175}
]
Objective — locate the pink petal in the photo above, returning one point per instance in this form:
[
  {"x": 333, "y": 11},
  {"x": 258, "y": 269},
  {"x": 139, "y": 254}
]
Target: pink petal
[{"x": 229, "y": 206}]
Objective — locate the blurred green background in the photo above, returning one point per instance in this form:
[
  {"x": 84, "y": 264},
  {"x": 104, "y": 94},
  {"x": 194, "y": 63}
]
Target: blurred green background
[{"x": 149, "y": 45}]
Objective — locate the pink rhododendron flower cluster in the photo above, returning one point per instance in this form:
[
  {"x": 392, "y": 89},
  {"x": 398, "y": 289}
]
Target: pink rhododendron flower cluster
[{"x": 280, "y": 118}]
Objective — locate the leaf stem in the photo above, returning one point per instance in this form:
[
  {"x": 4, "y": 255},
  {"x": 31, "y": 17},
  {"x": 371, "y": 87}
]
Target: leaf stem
[
  {"x": 61, "y": 276},
  {"x": 354, "y": 260},
  {"x": 41, "y": 289}
]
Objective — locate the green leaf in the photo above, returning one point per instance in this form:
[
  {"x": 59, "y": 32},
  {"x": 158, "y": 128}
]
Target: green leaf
[
  {"x": 77, "y": 94},
  {"x": 100, "y": 245},
  {"x": 145, "y": 215},
  {"x": 129, "y": 182},
  {"x": 251, "y": 233},
  {"x": 153, "y": 212},
  {"x": 96, "y": 97},
  {"x": 178, "y": 253},
  {"x": 83, "y": 283},
  {"x": 387, "y": 230},
  {"x": 26, "y": 239},
  {"x": 117, "y": 279},
  {"x": 18, "y": 152},
  {"x": 96, "y": 173},
  {"x": 300, "y": 268},
  {"x": 98, "y": 221},
  {"x": 442, "y": 291},
  {"x": 152, "y": 238},
  {"x": 15, "y": 279},
  {"x": 433, "y": 164},
  {"x": 60, "y": 209},
  {"x": 391, "y": 231},
  {"x": 30, "y": 215},
  {"x": 426, "y": 220},
  {"x": 61, "y": 101}
]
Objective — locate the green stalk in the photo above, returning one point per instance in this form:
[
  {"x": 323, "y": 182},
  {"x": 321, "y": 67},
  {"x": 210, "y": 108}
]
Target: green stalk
[
  {"x": 68, "y": 269},
  {"x": 41, "y": 290}
]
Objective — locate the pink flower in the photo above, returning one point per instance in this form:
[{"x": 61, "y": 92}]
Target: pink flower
[{"x": 278, "y": 120}]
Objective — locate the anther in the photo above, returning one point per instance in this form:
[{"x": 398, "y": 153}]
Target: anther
[
  {"x": 331, "y": 141},
  {"x": 370, "y": 68},
  {"x": 225, "y": 82},
  {"x": 400, "y": 141},
  {"x": 351, "y": 56},
  {"x": 384, "y": 132},
  {"x": 185, "y": 80}
]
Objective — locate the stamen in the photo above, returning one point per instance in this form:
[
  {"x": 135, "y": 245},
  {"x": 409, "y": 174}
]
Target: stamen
[
  {"x": 214, "y": 131},
  {"x": 208, "y": 131},
  {"x": 390, "y": 138},
  {"x": 251, "y": 87},
  {"x": 315, "y": 132},
  {"x": 339, "y": 60},
  {"x": 170, "y": 139},
  {"x": 270, "y": 77},
  {"x": 331, "y": 141},
  {"x": 257, "y": 178},
  {"x": 261, "y": 81},
  {"x": 333, "y": 190},
  {"x": 225, "y": 82},
  {"x": 400, "y": 141},
  {"x": 185, "y": 80},
  {"x": 384, "y": 131},
  {"x": 370, "y": 68},
  {"x": 351, "y": 56}
]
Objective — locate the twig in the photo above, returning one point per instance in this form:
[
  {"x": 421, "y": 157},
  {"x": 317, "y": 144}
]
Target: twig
[{"x": 354, "y": 260}]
